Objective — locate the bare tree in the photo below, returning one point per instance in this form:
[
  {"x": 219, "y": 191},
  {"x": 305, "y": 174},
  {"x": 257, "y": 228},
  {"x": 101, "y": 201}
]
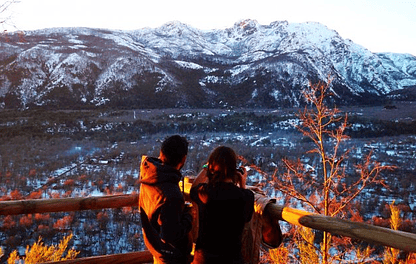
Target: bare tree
[{"x": 329, "y": 185}]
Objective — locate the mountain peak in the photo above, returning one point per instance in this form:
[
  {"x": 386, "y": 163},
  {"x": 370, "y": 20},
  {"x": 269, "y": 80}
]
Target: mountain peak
[
  {"x": 244, "y": 23},
  {"x": 174, "y": 28},
  {"x": 174, "y": 24},
  {"x": 246, "y": 26},
  {"x": 249, "y": 65}
]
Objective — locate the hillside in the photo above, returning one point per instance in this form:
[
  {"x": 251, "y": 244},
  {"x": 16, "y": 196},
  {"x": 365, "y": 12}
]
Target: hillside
[{"x": 248, "y": 65}]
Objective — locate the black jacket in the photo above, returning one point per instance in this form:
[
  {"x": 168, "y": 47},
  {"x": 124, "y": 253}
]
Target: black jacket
[
  {"x": 165, "y": 220},
  {"x": 221, "y": 222}
]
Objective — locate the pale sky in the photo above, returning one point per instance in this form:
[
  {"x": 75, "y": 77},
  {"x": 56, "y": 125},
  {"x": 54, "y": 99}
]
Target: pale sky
[{"x": 378, "y": 25}]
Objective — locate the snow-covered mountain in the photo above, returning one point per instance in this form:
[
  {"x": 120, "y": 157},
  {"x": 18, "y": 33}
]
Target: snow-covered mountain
[{"x": 248, "y": 65}]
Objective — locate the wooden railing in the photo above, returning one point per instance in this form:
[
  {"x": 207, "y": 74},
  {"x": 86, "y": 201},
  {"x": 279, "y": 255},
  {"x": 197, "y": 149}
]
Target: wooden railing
[
  {"x": 364, "y": 232},
  {"x": 17, "y": 207},
  {"x": 67, "y": 204}
]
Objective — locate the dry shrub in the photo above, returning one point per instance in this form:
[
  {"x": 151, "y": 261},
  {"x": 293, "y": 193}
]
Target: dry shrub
[{"x": 39, "y": 252}]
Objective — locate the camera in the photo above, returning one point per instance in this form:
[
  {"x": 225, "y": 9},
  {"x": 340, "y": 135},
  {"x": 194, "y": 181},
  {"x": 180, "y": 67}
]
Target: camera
[{"x": 240, "y": 170}]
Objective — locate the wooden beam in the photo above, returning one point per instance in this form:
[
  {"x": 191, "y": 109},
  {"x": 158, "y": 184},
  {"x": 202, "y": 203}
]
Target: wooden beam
[
  {"x": 372, "y": 234},
  {"x": 125, "y": 258},
  {"x": 16, "y": 207},
  {"x": 67, "y": 204}
]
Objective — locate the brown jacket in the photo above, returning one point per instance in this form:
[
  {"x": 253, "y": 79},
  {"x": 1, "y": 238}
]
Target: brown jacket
[{"x": 165, "y": 220}]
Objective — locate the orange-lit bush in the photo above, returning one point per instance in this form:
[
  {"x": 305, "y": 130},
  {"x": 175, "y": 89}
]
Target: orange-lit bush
[
  {"x": 69, "y": 182},
  {"x": 63, "y": 223},
  {"x": 26, "y": 220},
  {"x": 32, "y": 173},
  {"x": 35, "y": 195},
  {"x": 16, "y": 195},
  {"x": 8, "y": 222},
  {"x": 42, "y": 217},
  {"x": 39, "y": 252}
]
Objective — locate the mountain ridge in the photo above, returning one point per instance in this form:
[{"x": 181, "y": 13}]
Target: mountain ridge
[{"x": 177, "y": 65}]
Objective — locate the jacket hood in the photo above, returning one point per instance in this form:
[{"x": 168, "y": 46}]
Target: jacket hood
[{"x": 154, "y": 171}]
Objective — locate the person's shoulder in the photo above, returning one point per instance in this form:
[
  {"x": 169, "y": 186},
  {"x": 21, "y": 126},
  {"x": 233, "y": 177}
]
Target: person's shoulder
[
  {"x": 173, "y": 196},
  {"x": 248, "y": 193},
  {"x": 244, "y": 192}
]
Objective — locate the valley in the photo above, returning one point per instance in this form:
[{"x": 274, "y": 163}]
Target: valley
[{"x": 72, "y": 153}]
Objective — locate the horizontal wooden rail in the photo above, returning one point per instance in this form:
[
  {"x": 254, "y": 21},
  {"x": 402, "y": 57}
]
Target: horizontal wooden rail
[
  {"x": 365, "y": 232},
  {"x": 67, "y": 204},
  {"x": 125, "y": 258}
]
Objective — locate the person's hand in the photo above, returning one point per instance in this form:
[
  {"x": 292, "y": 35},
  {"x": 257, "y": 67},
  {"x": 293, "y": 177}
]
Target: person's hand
[
  {"x": 242, "y": 176},
  {"x": 201, "y": 177},
  {"x": 255, "y": 189},
  {"x": 188, "y": 207}
]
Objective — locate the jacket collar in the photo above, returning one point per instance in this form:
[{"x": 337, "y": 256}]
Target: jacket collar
[{"x": 154, "y": 171}]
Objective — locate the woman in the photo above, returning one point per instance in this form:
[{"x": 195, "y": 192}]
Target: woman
[{"x": 224, "y": 207}]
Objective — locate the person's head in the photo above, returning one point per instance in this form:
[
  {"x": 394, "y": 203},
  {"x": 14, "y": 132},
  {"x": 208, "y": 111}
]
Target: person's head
[
  {"x": 174, "y": 150},
  {"x": 222, "y": 165}
]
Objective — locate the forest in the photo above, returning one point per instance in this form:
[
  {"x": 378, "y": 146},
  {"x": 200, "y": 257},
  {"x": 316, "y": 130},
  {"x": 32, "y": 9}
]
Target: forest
[{"x": 72, "y": 153}]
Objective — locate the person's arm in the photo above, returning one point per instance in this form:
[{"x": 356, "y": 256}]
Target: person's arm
[
  {"x": 201, "y": 177},
  {"x": 242, "y": 177},
  {"x": 197, "y": 190},
  {"x": 199, "y": 193},
  {"x": 174, "y": 223},
  {"x": 249, "y": 205},
  {"x": 272, "y": 234}
]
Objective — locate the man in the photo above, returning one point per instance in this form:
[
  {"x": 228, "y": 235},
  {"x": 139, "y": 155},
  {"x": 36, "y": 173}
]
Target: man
[{"x": 166, "y": 221}]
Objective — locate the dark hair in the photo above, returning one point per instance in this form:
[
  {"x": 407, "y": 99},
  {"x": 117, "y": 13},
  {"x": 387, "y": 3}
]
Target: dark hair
[
  {"x": 174, "y": 148},
  {"x": 222, "y": 165}
]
